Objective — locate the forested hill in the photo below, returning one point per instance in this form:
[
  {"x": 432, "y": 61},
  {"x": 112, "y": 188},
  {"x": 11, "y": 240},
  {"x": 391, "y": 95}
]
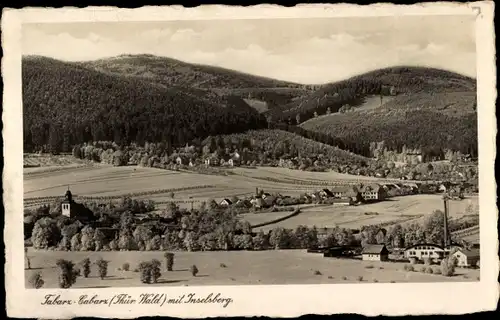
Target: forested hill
[
  {"x": 429, "y": 109},
  {"x": 66, "y": 103},
  {"x": 204, "y": 80},
  {"x": 405, "y": 80}
]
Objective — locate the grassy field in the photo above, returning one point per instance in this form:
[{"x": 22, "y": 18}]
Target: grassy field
[
  {"x": 398, "y": 209},
  {"x": 242, "y": 268},
  {"x": 102, "y": 180}
]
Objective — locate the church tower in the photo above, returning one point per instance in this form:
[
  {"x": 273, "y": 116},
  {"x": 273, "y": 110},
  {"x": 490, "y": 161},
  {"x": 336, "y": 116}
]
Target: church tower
[{"x": 66, "y": 204}]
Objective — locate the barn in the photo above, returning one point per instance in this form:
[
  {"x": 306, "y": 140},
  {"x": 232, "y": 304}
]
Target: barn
[{"x": 375, "y": 252}]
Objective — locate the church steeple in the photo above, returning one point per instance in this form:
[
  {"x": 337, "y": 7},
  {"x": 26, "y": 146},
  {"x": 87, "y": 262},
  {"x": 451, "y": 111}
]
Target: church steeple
[{"x": 66, "y": 203}]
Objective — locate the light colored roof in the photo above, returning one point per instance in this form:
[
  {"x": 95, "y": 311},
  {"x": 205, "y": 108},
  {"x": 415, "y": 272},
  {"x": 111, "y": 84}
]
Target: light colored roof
[{"x": 473, "y": 253}]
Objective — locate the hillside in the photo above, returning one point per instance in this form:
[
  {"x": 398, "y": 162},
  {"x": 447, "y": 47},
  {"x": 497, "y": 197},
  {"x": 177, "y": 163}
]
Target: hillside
[
  {"x": 270, "y": 145},
  {"x": 66, "y": 104},
  {"x": 406, "y": 81},
  {"x": 433, "y": 110},
  {"x": 206, "y": 80}
]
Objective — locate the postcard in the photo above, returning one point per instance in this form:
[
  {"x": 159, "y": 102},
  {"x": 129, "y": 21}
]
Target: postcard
[{"x": 250, "y": 161}]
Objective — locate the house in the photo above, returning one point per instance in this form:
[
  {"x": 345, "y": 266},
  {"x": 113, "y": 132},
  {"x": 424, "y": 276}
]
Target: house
[
  {"x": 425, "y": 250},
  {"x": 346, "y": 192},
  {"x": 443, "y": 187},
  {"x": 340, "y": 202},
  {"x": 413, "y": 187},
  {"x": 225, "y": 203},
  {"x": 373, "y": 192},
  {"x": 258, "y": 203},
  {"x": 235, "y": 159},
  {"x": 467, "y": 258},
  {"x": 74, "y": 210},
  {"x": 191, "y": 163},
  {"x": 325, "y": 193},
  {"x": 180, "y": 160},
  {"x": 211, "y": 160},
  {"x": 375, "y": 252}
]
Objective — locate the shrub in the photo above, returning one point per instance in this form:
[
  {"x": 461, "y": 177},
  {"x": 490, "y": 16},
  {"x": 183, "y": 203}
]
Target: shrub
[
  {"x": 135, "y": 270},
  {"x": 429, "y": 270},
  {"x": 344, "y": 278},
  {"x": 427, "y": 261},
  {"x": 409, "y": 267},
  {"x": 78, "y": 272},
  {"x": 359, "y": 278},
  {"x": 317, "y": 273},
  {"x": 102, "y": 266},
  {"x": 413, "y": 260},
  {"x": 437, "y": 271},
  {"x": 194, "y": 270},
  {"x": 392, "y": 281},
  {"x": 126, "y": 266},
  {"x": 370, "y": 266},
  {"x": 222, "y": 265},
  {"x": 423, "y": 269},
  {"x": 375, "y": 280},
  {"x": 155, "y": 270},
  {"x": 330, "y": 277},
  {"x": 145, "y": 269},
  {"x": 36, "y": 280},
  {"x": 169, "y": 257},
  {"x": 67, "y": 274},
  {"x": 447, "y": 267},
  {"x": 86, "y": 267}
]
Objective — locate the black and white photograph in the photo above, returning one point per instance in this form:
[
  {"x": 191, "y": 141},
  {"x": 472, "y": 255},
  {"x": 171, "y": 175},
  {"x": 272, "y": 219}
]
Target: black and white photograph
[{"x": 250, "y": 152}]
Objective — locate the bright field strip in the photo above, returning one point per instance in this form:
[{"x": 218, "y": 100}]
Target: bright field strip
[{"x": 266, "y": 268}]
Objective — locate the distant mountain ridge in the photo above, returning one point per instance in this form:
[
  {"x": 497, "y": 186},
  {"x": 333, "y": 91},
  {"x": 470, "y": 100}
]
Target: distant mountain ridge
[{"x": 151, "y": 91}]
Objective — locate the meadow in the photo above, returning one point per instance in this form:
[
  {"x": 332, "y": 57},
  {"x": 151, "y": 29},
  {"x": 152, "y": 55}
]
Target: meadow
[
  {"x": 239, "y": 268},
  {"x": 105, "y": 180}
]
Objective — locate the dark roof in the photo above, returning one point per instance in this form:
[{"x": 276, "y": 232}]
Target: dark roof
[
  {"x": 424, "y": 244},
  {"x": 344, "y": 189},
  {"x": 374, "y": 249},
  {"x": 472, "y": 253},
  {"x": 227, "y": 200},
  {"x": 328, "y": 192},
  {"x": 371, "y": 188}
]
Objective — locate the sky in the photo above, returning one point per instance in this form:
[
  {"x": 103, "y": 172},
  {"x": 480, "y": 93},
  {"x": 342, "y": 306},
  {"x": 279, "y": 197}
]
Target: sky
[{"x": 308, "y": 50}]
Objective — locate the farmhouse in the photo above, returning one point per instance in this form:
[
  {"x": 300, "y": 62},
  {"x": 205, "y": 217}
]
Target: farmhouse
[
  {"x": 75, "y": 210},
  {"x": 375, "y": 252},
  {"x": 467, "y": 258},
  {"x": 373, "y": 192},
  {"x": 226, "y": 203},
  {"x": 424, "y": 250},
  {"x": 345, "y": 192},
  {"x": 243, "y": 203}
]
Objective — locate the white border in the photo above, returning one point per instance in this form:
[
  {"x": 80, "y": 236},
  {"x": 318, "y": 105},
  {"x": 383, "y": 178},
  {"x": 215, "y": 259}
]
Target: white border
[{"x": 277, "y": 301}]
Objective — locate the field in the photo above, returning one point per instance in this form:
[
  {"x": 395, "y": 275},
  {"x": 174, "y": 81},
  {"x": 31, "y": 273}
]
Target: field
[
  {"x": 397, "y": 209},
  {"x": 242, "y": 268},
  {"x": 105, "y": 180}
]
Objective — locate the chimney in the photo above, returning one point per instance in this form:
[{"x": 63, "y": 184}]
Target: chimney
[{"x": 446, "y": 240}]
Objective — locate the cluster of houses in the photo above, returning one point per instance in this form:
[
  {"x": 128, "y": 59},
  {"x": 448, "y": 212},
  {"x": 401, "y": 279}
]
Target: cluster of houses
[
  {"x": 211, "y": 160},
  {"x": 419, "y": 252}
]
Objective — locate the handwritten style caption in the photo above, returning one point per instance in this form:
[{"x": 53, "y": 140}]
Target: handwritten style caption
[{"x": 159, "y": 299}]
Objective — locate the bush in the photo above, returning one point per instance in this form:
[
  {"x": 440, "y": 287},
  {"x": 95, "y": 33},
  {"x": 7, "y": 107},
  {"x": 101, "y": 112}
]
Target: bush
[
  {"x": 375, "y": 280},
  {"x": 102, "y": 266},
  {"x": 423, "y": 269},
  {"x": 330, "y": 277},
  {"x": 145, "y": 269},
  {"x": 409, "y": 267},
  {"x": 194, "y": 270},
  {"x": 317, "y": 273},
  {"x": 169, "y": 257},
  {"x": 413, "y": 260},
  {"x": 429, "y": 270},
  {"x": 447, "y": 267},
  {"x": 36, "y": 280},
  {"x": 359, "y": 278},
  {"x": 67, "y": 274},
  {"x": 155, "y": 270},
  {"x": 370, "y": 266},
  {"x": 392, "y": 281},
  {"x": 437, "y": 271},
  {"x": 222, "y": 265},
  {"x": 427, "y": 261},
  {"x": 86, "y": 267},
  {"x": 135, "y": 270},
  {"x": 126, "y": 266},
  {"x": 344, "y": 278}
]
